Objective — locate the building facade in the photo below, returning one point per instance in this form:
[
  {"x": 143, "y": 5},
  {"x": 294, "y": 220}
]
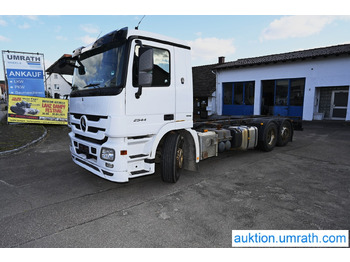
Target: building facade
[
  {"x": 204, "y": 86},
  {"x": 310, "y": 84},
  {"x": 58, "y": 86}
]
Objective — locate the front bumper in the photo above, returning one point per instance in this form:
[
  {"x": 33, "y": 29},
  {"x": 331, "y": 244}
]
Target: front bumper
[{"x": 87, "y": 155}]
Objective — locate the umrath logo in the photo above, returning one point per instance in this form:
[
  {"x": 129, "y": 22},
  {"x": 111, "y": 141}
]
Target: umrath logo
[{"x": 27, "y": 58}]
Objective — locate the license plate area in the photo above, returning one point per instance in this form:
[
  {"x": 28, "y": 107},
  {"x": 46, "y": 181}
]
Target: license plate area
[{"x": 84, "y": 149}]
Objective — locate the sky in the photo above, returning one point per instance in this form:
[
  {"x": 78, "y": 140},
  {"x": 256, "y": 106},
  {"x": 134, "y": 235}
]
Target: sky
[{"x": 210, "y": 34}]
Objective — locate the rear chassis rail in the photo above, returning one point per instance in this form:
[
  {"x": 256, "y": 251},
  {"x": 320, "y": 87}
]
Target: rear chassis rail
[{"x": 225, "y": 121}]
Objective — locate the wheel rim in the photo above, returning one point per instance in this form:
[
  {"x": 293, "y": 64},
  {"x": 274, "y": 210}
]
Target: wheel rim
[
  {"x": 271, "y": 137},
  {"x": 284, "y": 133},
  {"x": 180, "y": 154},
  {"x": 179, "y": 158}
]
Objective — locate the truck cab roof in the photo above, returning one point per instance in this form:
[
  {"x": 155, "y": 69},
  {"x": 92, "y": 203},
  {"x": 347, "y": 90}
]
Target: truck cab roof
[
  {"x": 125, "y": 33},
  {"x": 158, "y": 37}
]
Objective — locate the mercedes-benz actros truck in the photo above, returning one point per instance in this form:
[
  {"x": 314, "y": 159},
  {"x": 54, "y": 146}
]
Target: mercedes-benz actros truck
[{"x": 131, "y": 107}]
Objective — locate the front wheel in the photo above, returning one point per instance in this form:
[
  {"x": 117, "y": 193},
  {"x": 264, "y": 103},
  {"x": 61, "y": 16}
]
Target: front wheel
[{"x": 172, "y": 157}]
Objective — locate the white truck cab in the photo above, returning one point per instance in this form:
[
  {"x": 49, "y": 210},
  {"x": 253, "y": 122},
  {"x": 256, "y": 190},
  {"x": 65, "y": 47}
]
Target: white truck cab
[
  {"x": 130, "y": 89},
  {"x": 131, "y": 107}
]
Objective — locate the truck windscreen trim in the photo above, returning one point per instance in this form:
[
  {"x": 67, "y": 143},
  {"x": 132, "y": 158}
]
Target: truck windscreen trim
[{"x": 161, "y": 41}]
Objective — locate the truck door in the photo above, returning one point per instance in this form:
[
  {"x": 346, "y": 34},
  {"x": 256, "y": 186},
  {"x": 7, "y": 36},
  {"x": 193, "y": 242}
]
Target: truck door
[{"x": 156, "y": 104}]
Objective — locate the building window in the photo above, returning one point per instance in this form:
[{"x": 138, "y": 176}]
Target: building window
[
  {"x": 227, "y": 93},
  {"x": 297, "y": 92},
  {"x": 249, "y": 91},
  {"x": 56, "y": 87},
  {"x": 283, "y": 97},
  {"x": 239, "y": 93}
]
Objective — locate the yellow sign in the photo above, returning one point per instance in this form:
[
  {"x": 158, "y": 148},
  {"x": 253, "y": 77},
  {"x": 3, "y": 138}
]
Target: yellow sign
[{"x": 29, "y": 109}]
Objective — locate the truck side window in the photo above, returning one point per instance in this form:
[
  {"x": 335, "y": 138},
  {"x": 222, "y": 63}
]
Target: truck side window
[{"x": 161, "y": 67}]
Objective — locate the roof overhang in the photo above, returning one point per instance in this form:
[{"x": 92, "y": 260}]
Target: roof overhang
[{"x": 60, "y": 67}]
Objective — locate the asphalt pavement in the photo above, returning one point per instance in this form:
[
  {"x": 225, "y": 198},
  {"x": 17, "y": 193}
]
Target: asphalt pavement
[{"x": 48, "y": 201}]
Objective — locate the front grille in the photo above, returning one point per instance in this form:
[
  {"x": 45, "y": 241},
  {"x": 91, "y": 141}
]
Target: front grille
[
  {"x": 92, "y": 140},
  {"x": 96, "y": 127},
  {"x": 94, "y": 118},
  {"x": 90, "y": 128}
]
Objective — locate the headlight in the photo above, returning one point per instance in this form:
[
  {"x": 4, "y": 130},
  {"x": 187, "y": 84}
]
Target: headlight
[{"x": 107, "y": 154}]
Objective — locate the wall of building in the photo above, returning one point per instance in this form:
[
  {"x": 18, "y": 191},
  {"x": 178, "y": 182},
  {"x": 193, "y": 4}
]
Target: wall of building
[
  {"x": 322, "y": 72},
  {"x": 55, "y": 83}
]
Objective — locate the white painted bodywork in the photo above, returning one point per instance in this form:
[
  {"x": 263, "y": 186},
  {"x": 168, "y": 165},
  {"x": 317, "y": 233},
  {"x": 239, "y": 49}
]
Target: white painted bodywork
[{"x": 135, "y": 125}]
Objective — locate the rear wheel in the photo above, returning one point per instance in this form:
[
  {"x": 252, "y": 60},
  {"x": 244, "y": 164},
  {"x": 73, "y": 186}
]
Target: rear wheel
[
  {"x": 269, "y": 138},
  {"x": 172, "y": 157},
  {"x": 285, "y": 133}
]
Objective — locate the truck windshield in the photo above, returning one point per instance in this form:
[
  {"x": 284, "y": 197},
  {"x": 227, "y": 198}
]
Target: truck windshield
[{"x": 103, "y": 70}]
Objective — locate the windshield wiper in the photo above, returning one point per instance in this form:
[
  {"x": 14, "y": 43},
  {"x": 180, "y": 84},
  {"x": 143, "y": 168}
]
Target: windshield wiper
[{"x": 90, "y": 85}]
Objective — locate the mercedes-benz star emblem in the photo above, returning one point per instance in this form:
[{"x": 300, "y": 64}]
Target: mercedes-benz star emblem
[{"x": 83, "y": 124}]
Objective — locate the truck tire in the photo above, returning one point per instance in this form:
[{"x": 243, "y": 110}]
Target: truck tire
[
  {"x": 172, "y": 158},
  {"x": 284, "y": 134},
  {"x": 269, "y": 137}
]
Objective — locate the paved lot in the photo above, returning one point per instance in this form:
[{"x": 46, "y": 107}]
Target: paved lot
[{"x": 48, "y": 201}]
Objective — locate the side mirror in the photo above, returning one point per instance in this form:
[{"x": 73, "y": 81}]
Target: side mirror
[
  {"x": 68, "y": 61},
  {"x": 145, "y": 71},
  {"x": 145, "y": 66},
  {"x": 81, "y": 70}
]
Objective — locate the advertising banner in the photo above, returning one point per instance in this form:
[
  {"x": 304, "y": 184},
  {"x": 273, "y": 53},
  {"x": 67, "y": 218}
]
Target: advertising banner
[
  {"x": 25, "y": 73},
  {"x": 27, "y": 109}
]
